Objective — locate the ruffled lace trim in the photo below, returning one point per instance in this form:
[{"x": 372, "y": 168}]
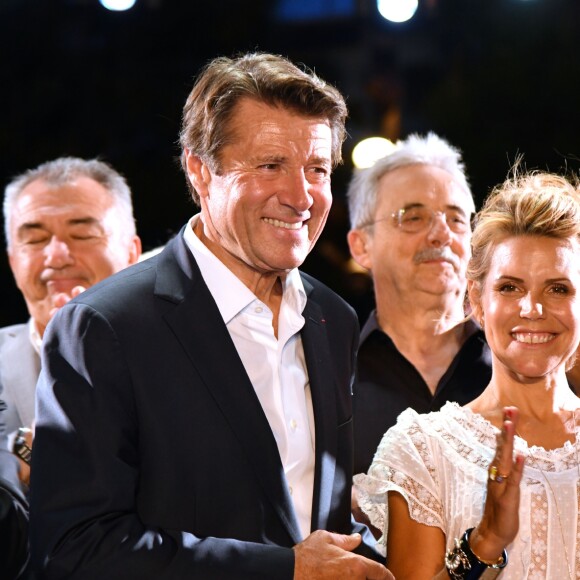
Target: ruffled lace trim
[
  {"x": 554, "y": 460},
  {"x": 470, "y": 435}
]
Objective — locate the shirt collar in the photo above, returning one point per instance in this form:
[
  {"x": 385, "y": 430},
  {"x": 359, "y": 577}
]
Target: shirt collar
[
  {"x": 372, "y": 324},
  {"x": 35, "y": 338},
  {"x": 230, "y": 294}
]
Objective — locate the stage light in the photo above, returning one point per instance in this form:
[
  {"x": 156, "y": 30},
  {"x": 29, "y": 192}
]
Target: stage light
[
  {"x": 397, "y": 10},
  {"x": 118, "y": 5},
  {"x": 367, "y": 151}
]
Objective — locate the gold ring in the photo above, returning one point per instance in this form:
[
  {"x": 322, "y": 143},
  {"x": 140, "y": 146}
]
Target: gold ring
[{"x": 495, "y": 475}]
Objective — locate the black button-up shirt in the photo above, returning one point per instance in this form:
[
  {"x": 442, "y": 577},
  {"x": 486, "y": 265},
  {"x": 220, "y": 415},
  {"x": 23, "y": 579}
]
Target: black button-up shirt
[{"x": 388, "y": 383}]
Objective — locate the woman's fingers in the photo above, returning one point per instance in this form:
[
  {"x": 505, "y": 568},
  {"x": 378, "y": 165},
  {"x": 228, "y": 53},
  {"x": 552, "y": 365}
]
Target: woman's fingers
[
  {"x": 500, "y": 521},
  {"x": 517, "y": 472},
  {"x": 502, "y": 465}
]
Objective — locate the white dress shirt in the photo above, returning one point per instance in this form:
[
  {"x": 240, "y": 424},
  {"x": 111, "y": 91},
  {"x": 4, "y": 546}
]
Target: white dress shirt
[
  {"x": 276, "y": 366},
  {"x": 35, "y": 338}
]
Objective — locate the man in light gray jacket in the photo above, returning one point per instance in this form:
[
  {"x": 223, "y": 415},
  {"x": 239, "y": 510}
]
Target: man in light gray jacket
[{"x": 68, "y": 225}]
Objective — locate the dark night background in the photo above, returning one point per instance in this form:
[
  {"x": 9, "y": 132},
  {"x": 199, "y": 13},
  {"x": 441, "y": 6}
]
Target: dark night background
[{"x": 497, "y": 78}]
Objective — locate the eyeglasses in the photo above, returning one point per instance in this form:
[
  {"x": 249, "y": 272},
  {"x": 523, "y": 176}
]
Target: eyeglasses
[{"x": 420, "y": 218}]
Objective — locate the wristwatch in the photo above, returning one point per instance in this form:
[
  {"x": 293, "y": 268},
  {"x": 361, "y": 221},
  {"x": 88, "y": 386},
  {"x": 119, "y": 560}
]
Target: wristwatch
[
  {"x": 463, "y": 564},
  {"x": 20, "y": 447}
]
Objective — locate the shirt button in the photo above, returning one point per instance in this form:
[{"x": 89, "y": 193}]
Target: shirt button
[
  {"x": 259, "y": 309},
  {"x": 293, "y": 424},
  {"x": 290, "y": 489}
]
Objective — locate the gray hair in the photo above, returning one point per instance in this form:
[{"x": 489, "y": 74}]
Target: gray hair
[
  {"x": 65, "y": 170},
  {"x": 415, "y": 149}
]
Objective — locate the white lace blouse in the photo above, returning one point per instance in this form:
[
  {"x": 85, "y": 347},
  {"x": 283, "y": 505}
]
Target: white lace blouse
[{"x": 438, "y": 462}]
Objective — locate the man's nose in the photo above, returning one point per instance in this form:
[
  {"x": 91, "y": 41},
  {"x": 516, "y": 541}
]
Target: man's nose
[
  {"x": 57, "y": 253},
  {"x": 296, "y": 191},
  {"x": 439, "y": 233}
]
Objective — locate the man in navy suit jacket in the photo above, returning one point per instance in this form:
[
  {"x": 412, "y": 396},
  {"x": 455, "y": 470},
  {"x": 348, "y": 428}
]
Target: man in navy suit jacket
[{"x": 194, "y": 411}]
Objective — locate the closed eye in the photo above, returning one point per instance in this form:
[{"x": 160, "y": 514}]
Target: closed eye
[{"x": 34, "y": 241}]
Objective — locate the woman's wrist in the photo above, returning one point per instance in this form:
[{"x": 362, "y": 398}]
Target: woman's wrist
[
  {"x": 461, "y": 562},
  {"x": 485, "y": 549}
]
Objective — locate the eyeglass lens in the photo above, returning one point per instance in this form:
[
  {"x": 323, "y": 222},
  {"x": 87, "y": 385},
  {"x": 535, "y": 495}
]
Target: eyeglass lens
[{"x": 416, "y": 219}]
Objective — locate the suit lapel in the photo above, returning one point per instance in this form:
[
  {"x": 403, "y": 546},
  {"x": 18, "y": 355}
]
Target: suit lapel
[
  {"x": 322, "y": 387},
  {"x": 198, "y": 326}
]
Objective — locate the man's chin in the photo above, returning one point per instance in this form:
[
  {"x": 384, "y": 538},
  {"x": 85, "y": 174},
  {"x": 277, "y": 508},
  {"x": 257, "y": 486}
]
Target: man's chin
[
  {"x": 55, "y": 287},
  {"x": 283, "y": 263},
  {"x": 441, "y": 286}
]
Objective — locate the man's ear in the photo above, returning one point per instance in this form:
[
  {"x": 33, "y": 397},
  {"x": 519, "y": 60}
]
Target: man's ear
[
  {"x": 198, "y": 173},
  {"x": 135, "y": 250},
  {"x": 474, "y": 294},
  {"x": 360, "y": 243}
]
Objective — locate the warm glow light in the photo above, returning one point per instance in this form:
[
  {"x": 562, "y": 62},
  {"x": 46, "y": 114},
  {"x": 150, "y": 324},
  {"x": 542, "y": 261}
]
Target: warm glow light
[
  {"x": 118, "y": 5},
  {"x": 397, "y": 10},
  {"x": 367, "y": 151}
]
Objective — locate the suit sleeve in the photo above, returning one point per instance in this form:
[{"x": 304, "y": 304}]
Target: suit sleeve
[
  {"x": 87, "y": 470},
  {"x": 367, "y": 547}
]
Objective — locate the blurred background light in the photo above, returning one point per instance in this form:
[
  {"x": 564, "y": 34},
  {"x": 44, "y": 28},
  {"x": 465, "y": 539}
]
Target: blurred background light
[
  {"x": 397, "y": 10},
  {"x": 118, "y": 5},
  {"x": 367, "y": 151},
  {"x": 310, "y": 10}
]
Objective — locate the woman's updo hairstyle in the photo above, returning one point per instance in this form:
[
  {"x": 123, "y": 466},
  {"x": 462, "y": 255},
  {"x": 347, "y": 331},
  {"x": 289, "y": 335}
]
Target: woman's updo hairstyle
[{"x": 526, "y": 204}]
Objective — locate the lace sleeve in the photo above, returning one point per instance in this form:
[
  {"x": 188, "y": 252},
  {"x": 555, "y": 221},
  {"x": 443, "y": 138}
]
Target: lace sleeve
[{"x": 403, "y": 463}]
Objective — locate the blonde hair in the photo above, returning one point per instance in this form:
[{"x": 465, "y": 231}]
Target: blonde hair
[{"x": 526, "y": 204}]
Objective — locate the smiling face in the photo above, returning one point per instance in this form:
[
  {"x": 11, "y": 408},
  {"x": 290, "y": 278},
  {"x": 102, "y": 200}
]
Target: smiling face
[
  {"x": 429, "y": 262},
  {"x": 531, "y": 305},
  {"x": 62, "y": 237},
  {"x": 267, "y": 206}
]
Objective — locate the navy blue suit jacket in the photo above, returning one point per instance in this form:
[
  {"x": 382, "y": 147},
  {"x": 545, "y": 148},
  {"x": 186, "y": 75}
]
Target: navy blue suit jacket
[{"x": 153, "y": 458}]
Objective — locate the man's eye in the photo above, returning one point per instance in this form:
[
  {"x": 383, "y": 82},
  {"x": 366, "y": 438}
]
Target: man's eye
[
  {"x": 413, "y": 218},
  {"x": 85, "y": 233},
  {"x": 84, "y": 236},
  {"x": 457, "y": 218},
  {"x": 36, "y": 241}
]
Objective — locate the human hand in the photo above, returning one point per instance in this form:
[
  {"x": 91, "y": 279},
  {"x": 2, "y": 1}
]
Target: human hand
[
  {"x": 500, "y": 522},
  {"x": 325, "y": 555},
  {"x": 25, "y": 436},
  {"x": 60, "y": 299}
]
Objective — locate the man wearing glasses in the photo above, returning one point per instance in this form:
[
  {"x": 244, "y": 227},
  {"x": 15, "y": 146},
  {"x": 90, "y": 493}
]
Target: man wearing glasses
[{"x": 410, "y": 216}]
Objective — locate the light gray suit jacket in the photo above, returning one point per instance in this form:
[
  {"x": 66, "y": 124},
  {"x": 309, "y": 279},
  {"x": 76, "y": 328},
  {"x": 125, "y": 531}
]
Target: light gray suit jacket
[{"x": 19, "y": 370}]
